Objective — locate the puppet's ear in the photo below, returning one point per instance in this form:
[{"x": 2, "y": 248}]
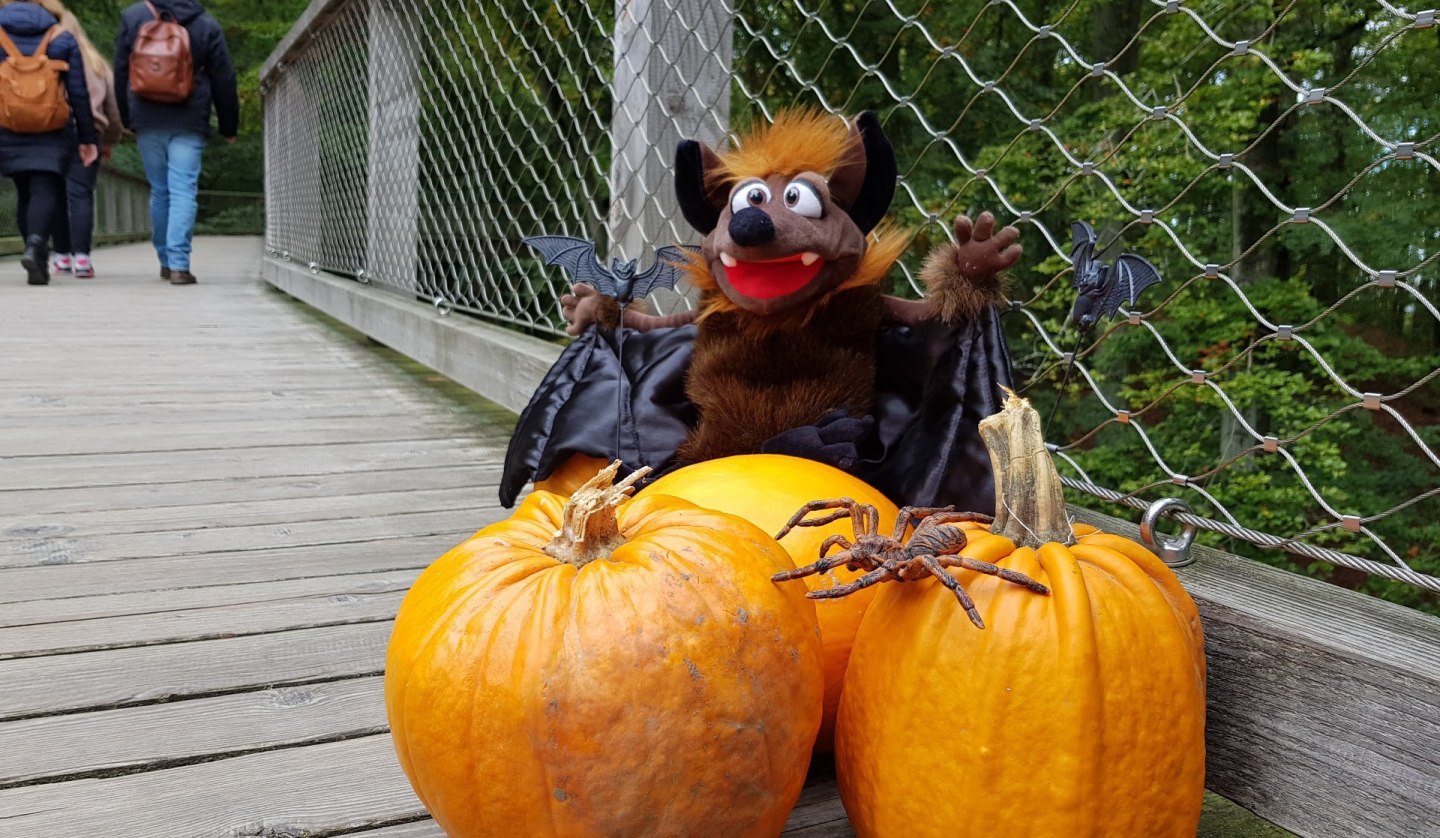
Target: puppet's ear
[
  {"x": 700, "y": 205},
  {"x": 864, "y": 182}
]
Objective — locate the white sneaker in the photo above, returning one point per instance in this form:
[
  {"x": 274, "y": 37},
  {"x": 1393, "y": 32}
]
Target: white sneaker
[
  {"x": 83, "y": 267},
  {"x": 60, "y": 263}
]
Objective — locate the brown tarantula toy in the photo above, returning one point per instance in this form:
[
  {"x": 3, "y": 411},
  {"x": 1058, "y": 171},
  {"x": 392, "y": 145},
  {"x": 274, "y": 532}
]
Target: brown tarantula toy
[{"x": 934, "y": 546}]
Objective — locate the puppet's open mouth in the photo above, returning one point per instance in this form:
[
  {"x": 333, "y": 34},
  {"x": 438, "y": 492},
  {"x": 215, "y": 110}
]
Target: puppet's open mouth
[{"x": 772, "y": 277}]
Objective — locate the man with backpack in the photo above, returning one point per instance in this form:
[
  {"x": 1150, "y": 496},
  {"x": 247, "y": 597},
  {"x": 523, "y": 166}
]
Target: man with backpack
[{"x": 172, "y": 61}]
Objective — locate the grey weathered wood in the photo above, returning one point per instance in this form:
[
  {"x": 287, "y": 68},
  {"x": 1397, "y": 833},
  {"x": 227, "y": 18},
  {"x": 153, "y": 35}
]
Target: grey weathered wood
[
  {"x": 201, "y": 623},
  {"x": 240, "y": 514},
  {"x": 671, "y": 82},
  {"x": 501, "y": 365},
  {"x": 64, "y": 549},
  {"x": 231, "y": 464},
  {"x": 392, "y": 205},
  {"x": 24, "y": 584},
  {"x": 331, "y": 787},
  {"x": 90, "y": 680},
  {"x": 310, "y": 20},
  {"x": 157, "y": 496},
  {"x": 137, "y": 737},
  {"x": 1324, "y": 704},
  {"x": 94, "y": 609}
]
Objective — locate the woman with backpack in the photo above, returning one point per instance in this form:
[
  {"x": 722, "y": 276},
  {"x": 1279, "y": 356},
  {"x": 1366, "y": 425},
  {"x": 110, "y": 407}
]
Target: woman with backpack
[
  {"x": 44, "y": 112},
  {"x": 75, "y": 221}
]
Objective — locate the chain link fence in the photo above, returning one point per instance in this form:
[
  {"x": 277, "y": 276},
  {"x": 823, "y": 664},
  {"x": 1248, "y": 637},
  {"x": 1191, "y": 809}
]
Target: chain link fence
[{"x": 1277, "y": 162}]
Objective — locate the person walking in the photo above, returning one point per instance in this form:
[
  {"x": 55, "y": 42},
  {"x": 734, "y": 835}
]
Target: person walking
[
  {"x": 168, "y": 82},
  {"x": 75, "y": 220},
  {"x": 45, "y": 120}
]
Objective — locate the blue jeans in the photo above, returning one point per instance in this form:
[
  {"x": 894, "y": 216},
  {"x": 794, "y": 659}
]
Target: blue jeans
[{"x": 172, "y": 165}]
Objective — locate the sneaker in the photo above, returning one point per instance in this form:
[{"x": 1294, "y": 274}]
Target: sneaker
[
  {"x": 60, "y": 263},
  {"x": 182, "y": 278},
  {"x": 84, "y": 268},
  {"x": 164, "y": 272}
]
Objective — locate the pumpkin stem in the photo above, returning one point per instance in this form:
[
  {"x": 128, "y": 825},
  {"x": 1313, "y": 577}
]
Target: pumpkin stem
[
  {"x": 1029, "y": 500},
  {"x": 589, "y": 529}
]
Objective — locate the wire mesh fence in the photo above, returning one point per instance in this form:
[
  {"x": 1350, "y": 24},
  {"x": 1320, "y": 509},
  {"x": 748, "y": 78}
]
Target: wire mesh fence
[{"x": 1277, "y": 162}]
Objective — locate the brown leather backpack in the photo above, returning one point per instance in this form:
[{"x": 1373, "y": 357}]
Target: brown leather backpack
[
  {"x": 161, "y": 69},
  {"x": 32, "y": 99}
]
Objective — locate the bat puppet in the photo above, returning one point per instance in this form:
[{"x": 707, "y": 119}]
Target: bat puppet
[{"x": 793, "y": 347}]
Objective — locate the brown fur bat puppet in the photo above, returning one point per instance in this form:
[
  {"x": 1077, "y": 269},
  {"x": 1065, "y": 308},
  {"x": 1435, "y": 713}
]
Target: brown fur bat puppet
[{"x": 794, "y": 348}]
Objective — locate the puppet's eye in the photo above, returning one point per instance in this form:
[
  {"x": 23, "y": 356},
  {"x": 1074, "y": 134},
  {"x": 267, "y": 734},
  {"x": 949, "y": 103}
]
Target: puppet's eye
[
  {"x": 751, "y": 194},
  {"x": 802, "y": 197}
]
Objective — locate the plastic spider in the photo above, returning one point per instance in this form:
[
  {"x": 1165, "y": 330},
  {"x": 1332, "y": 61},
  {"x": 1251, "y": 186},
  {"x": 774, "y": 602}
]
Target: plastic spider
[{"x": 934, "y": 546}]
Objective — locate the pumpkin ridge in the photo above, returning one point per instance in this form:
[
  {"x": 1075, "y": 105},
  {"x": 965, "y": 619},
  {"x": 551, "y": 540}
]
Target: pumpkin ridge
[{"x": 1080, "y": 652}]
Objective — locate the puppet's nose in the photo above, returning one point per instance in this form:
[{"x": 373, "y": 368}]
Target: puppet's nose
[{"x": 751, "y": 227}]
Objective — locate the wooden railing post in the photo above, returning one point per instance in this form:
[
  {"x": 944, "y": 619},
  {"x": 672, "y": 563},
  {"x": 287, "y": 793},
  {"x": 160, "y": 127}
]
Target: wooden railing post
[
  {"x": 392, "y": 233},
  {"x": 671, "y": 82}
]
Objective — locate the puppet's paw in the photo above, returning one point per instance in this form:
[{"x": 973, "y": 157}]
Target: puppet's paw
[
  {"x": 961, "y": 279},
  {"x": 834, "y": 440},
  {"x": 584, "y": 306}
]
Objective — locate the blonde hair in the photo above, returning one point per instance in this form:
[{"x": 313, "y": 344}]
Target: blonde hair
[{"x": 94, "y": 59}]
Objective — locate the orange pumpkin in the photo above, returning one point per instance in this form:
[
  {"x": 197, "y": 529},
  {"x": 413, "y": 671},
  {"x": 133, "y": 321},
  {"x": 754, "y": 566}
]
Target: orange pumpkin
[
  {"x": 571, "y": 474},
  {"x": 604, "y": 667},
  {"x": 766, "y": 490},
  {"x": 1081, "y": 713}
]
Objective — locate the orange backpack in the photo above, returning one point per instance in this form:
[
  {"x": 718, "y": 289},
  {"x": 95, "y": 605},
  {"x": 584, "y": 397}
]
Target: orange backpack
[
  {"x": 161, "y": 69},
  {"x": 32, "y": 99}
]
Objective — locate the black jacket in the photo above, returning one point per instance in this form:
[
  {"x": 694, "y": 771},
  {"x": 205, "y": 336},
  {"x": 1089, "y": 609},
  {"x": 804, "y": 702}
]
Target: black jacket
[
  {"x": 27, "y": 23},
  {"x": 214, "y": 74}
]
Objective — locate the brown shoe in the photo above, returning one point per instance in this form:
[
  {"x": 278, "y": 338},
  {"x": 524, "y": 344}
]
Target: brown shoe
[
  {"x": 164, "y": 273},
  {"x": 182, "y": 278}
]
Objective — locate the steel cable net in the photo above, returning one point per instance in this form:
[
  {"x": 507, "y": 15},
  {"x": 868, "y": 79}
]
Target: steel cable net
[{"x": 1278, "y": 163}]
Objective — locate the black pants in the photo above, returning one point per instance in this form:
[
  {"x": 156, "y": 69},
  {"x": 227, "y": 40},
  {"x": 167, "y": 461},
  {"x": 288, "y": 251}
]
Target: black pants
[
  {"x": 40, "y": 194},
  {"x": 75, "y": 219}
]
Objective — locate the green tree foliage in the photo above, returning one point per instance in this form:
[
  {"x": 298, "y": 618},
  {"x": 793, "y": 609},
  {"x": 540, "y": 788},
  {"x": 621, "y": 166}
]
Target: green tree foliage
[{"x": 908, "y": 61}]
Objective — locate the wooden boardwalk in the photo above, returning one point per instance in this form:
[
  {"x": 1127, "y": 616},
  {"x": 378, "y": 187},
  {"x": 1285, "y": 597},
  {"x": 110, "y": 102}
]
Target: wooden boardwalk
[{"x": 211, "y": 504}]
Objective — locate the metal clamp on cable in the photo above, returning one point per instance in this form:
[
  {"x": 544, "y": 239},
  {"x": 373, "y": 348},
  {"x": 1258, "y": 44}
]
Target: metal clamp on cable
[
  {"x": 1172, "y": 553},
  {"x": 443, "y": 306}
]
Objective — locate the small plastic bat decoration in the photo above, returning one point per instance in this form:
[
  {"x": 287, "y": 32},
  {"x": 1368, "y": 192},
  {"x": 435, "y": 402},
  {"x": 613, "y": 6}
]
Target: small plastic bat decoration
[
  {"x": 1104, "y": 288},
  {"x": 620, "y": 280}
]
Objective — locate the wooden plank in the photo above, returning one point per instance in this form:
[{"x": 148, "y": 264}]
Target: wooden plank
[
  {"x": 128, "y": 469},
  {"x": 113, "y": 522},
  {"x": 426, "y": 828},
  {"x": 48, "y": 440},
  {"x": 193, "y": 414},
  {"x": 153, "y": 736},
  {"x": 147, "y": 674},
  {"x": 207, "y": 622},
  {"x": 1324, "y": 704},
  {"x": 171, "y": 573},
  {"x": 249, "y": 490},
  {"x": 64, "y": 549},
  {"x": 93, "y": 609},
  {"x": 326, "y": 788}
]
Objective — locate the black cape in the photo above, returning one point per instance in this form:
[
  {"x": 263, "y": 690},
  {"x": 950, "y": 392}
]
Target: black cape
[{"x": 933, "y": 384}]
